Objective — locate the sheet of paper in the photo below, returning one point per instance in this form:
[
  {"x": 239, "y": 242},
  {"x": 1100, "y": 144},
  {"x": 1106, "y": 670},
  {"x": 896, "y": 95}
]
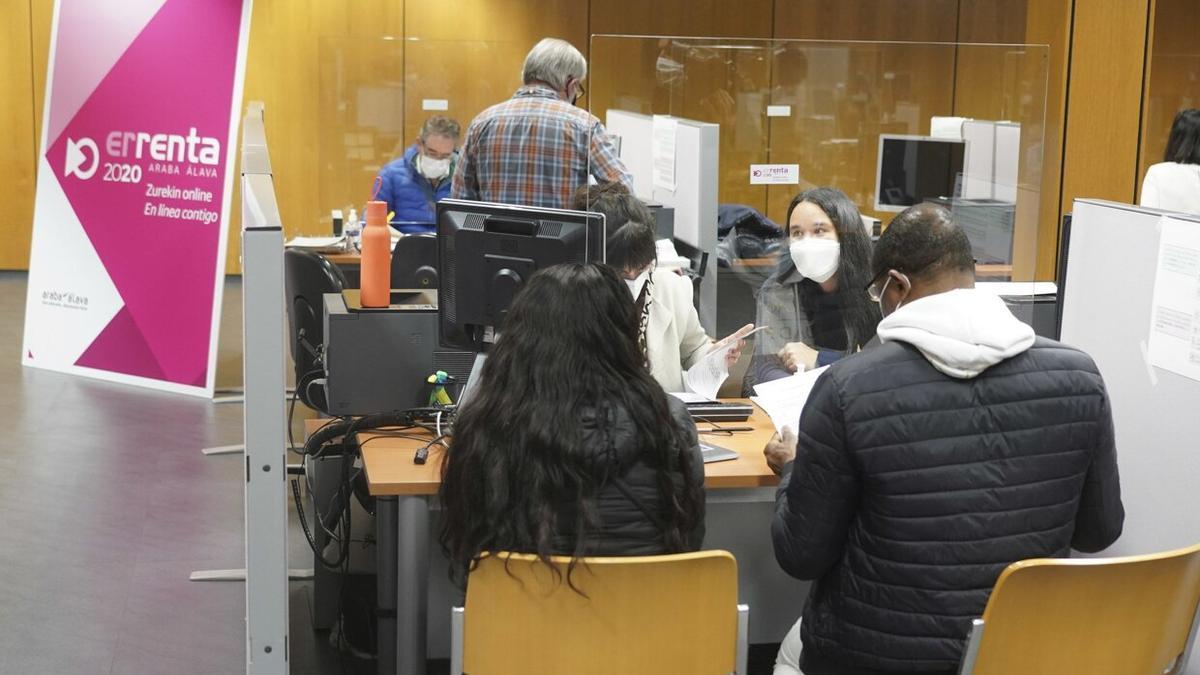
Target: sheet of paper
[
  {"x": 317, "y": 242},
  {"x": 1174, "y": 343},
  {"x": 707, "y": 375},
  {"x": 662, "y": 151},
  {"x": 784, "y": 399},
  {"x": 689, "y": 397}
]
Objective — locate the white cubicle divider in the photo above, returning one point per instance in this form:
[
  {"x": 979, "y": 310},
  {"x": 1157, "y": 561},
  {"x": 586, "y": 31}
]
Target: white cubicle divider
[
  {"x": 694, "y": 197},
  {"x": 263, "y": 352},
  {"x": 1107, "y": 301},
  {"x": 992, "y": 158},
  {"x": 636, "y": 133}
]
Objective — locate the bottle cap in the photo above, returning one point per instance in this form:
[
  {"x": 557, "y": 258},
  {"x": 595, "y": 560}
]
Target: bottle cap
[{"x": 376, "y": 212}]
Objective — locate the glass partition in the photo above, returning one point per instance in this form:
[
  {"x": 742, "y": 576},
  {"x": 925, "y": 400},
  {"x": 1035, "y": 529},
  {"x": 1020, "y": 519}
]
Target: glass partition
[
  {"x": 888, "y": 124},
  {"x": 725, "y": 133},
  {"x": 360, "y": 93}
]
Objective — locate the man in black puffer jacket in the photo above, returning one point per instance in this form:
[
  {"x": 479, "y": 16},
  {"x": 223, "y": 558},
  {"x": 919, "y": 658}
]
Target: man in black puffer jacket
[{"x": 926, "y": 465}]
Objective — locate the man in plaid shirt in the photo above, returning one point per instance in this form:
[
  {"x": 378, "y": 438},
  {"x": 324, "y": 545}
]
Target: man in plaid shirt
[{"x": 536, "y": 148}]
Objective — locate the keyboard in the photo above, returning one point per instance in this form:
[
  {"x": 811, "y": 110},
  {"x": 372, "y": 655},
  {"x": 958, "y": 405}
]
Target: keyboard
[{"x": 720, "y": 412}]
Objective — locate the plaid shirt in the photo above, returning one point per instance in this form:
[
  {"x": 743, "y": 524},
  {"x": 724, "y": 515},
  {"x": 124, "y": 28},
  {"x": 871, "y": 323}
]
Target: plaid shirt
[{"x": 533, "y": 150}]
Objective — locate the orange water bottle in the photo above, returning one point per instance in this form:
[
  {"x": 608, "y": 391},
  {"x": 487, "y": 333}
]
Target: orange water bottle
[{"x": 376, "y": 268}]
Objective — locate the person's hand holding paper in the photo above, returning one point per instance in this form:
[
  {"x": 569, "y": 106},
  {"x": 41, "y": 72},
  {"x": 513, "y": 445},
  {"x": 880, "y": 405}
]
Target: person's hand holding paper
[
  {"x": 780, "y": 450},
  {"x": 707, "y": 375}
]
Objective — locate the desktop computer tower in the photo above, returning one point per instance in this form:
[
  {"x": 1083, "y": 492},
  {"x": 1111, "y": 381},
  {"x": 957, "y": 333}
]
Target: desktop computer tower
[{"x": 377, "y": 360}]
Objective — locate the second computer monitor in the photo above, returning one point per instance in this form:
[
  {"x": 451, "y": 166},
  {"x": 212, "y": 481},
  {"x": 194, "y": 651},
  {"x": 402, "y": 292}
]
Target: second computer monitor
[
  {"x": 912, "y": 169},
  {"x": 487, "y": 252}
]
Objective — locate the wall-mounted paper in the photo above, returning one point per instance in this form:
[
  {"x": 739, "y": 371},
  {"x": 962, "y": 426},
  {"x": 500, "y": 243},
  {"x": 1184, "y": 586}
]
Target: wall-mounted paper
[
  {"x": 663, "y": 151},
  {"x": 779, "y": 111},
  {"x": 435, "y": 104},
  {"x": 1175, "y": 313}
]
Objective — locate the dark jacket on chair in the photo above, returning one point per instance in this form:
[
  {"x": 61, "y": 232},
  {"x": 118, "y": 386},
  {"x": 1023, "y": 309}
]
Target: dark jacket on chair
[
  {"x": 628, "y": 506},
  {"x": 927, "y": 465}
]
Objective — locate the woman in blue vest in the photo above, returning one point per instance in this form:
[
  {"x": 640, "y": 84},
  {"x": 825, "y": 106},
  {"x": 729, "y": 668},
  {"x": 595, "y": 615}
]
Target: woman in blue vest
[{"x": 414, "y": 183}]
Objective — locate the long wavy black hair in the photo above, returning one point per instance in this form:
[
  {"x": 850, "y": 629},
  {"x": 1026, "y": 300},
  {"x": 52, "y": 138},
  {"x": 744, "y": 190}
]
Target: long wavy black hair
[
  {"x": 518, "y": 475},
  {"x": 860, "y": 315}
]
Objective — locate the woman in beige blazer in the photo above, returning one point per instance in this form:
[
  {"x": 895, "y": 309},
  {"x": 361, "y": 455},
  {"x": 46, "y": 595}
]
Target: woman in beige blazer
[{"x": 670, "y": 333}]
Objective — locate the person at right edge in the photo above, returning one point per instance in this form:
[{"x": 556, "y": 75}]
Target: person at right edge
[
  {"x": 926, "y": 465},
  {"x": 1174, "y": 183}
]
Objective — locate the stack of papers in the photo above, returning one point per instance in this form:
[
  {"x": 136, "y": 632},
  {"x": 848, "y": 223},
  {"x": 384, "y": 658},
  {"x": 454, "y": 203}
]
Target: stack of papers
[
  {"x": 784, "y": 399},
  {"x": 319, "y": 243}
]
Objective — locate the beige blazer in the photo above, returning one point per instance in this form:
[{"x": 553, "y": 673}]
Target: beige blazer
[{"x": 674, "y": 338}]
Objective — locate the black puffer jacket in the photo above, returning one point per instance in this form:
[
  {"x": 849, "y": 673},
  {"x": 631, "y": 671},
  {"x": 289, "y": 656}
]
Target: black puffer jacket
[
  {"x": 912, "y": 490},
  {"x": 628, "y": 507}
]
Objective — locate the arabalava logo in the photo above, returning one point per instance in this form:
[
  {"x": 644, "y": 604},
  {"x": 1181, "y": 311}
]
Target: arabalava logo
[{"x": 76, "y": 158}]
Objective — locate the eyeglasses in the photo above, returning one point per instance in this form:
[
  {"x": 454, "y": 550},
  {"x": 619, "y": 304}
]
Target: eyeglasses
[
  {"x": 875, "y": 293},
  {"x": 580, "y": 91}
]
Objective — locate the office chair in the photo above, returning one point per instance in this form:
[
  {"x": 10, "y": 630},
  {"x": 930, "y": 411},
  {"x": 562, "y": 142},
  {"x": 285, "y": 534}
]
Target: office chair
[
  {"x": 653, "y": 614},
  {"x": 414, "y": 262},
  {"x": 308, "y": 276},
  {"x": 1097, "y": 616}
]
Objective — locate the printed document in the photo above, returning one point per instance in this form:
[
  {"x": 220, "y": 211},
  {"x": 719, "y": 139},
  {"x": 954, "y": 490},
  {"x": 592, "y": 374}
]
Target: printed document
[
  {"x": 708, "y": 374},
  {"x": 783, "y": 399},
  {"x": 1174, "y": 343},
  {"x": 662, "y": 151}
]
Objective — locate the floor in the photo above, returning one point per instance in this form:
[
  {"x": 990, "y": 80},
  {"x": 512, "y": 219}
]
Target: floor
[{"x": 109, "y": 505}]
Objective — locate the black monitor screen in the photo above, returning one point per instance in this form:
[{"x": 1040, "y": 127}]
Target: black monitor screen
[
  {"x": 486, "y": 253},
  {"x": 914, "y": 169}
]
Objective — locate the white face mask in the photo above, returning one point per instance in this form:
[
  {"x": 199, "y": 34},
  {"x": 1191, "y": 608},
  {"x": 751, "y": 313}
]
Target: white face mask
[
  {"x": 635, "y": 284},
  {"x": 815, "y": 258},
  {"x": 433, "y": 169}
]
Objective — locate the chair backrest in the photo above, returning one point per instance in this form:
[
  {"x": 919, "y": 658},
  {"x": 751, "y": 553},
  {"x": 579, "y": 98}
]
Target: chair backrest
[
  {"x": 1099, "y": 616},
  {"x": 414, "y": 262},
  {"x": 657, "y": 614},
  {"x": 307, "y": 276}
]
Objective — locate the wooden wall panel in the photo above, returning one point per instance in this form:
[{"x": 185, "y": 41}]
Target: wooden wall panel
[
  {"x": 857, "y": 91},
  {"x": 41, "y": 14},
  {"x": 1103, "y": 125},
  {"x": 1049, "y": 23},
  {"x": 696, "y": 18},
  {"x": 906, "y": 21},
  {"x": 470, "y": 52},
  {"x": 1172, "y": 76},
  {"x": 1023, "y": 86},
  {"x": 294, "y": 44},
  {"x": 18, "y": 166}
]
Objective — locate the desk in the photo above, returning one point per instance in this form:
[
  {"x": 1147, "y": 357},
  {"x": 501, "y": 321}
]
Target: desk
[{"x": 403, "y": 489}]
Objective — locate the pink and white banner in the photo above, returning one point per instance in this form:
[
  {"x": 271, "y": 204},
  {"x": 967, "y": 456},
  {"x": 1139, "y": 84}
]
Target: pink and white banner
[{"x": 133, "y": 190}]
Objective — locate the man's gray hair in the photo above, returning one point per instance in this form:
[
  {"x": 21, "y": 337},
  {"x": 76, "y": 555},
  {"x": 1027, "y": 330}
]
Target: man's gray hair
[
  {"x": 554, "y": 61},
  {"x": 440, "y": 125}
]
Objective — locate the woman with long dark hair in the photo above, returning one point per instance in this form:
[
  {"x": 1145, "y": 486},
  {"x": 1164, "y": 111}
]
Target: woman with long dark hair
[
  {"x": 1174, "y": 183},
  {"x": 814, "y": 305},
  {"x": 569, "y": 447}
]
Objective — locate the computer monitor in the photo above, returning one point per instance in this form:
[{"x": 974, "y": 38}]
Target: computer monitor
[
  {"x": 912, "y": 169},
  {"x": 486, "y": 253}
]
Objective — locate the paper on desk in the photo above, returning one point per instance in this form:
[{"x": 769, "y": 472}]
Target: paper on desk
[
  {"x": 1175, "y": 318},
  {"x": 707, "y": 375},
  {"x": 783, "y": 399},
  {"x": 316, "y": 242},
  {"x": 689, "y": 397}
]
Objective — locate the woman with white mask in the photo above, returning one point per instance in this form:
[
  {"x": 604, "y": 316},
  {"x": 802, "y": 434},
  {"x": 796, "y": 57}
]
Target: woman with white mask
[
  {"x": 813, "y": 305},
  {"x": 669, "y": 331}
]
